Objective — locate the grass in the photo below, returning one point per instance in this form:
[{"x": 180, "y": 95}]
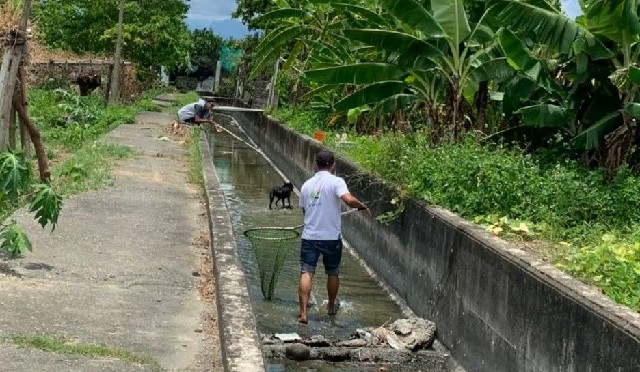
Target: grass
[
  {"x": 90, "y": 168},
  {"x": 59, "y": 346},
  {"x": 194, "y": 149}
]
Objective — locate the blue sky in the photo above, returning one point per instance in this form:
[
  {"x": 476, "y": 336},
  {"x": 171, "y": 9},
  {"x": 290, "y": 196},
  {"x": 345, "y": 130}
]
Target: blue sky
[
  {"x": 216, "y": 14},
  {"x": 571, "y": 8}
]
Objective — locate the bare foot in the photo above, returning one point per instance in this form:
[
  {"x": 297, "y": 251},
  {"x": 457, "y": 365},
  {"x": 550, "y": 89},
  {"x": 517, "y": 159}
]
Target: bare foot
[
  {"x": 332, "y": 309},
  {"x": 302, "y": 319}
]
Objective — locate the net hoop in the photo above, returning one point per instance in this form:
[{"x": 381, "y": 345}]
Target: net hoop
[{"x": 261, "y": 233}]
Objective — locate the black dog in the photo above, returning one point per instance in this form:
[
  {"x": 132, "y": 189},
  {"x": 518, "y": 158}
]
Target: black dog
[{"x": 281, "y": 193}]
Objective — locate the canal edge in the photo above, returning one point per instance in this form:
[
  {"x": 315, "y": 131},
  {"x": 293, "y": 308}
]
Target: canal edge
[{"x": 239, "y": 337}]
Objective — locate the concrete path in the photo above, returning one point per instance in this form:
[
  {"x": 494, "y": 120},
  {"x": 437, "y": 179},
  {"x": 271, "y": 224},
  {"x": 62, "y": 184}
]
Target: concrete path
[{"x": 128, "y": 267}]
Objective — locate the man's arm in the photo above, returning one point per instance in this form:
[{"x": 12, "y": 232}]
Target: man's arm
[{"x": 353, "y": 202}]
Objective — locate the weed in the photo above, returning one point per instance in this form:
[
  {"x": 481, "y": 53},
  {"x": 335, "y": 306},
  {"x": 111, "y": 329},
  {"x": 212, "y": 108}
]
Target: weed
[
  {"x": 516, "y": 195},
  {"x": 195, "y": 157},
  {"x": 56, "y": 345},
  {"x": 90, "y": 168}
]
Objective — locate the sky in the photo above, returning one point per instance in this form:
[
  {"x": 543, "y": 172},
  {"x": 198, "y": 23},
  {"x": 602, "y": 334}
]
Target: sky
[
  {"x": 570, "y": 7},
  {"x": 216, "y": 14}
]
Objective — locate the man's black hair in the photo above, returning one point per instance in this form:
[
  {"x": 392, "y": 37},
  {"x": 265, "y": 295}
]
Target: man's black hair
[
  {"x": 325, "y": 159},
  {"x": 209, "y": 99}
]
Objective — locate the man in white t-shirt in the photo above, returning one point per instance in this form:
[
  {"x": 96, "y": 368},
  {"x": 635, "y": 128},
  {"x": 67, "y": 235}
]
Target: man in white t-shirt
[
  {"x": 198, "y": 113},
  {"x": 321, "y": 199}
]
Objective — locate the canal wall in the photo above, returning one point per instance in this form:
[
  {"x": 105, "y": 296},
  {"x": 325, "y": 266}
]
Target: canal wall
[{"x": 497, "y": 308}]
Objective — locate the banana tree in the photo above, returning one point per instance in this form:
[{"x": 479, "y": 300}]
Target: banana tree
[
  {"x": 435, "y": 57},
  {"x": 310, "y": 33},
  {"x": 602, "y": 47}
]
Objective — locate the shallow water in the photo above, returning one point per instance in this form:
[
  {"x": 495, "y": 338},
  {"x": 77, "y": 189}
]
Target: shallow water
[{"x": 246, "y": 179}]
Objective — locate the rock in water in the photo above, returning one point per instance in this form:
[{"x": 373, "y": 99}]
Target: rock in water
[
  {"x": 298, "y": 351},
  {"x": 415, "y": 333}
]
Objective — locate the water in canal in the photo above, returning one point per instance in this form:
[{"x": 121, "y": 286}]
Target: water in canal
[{"x": 246, "y": 178}]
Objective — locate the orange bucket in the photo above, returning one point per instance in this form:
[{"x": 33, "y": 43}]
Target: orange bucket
[{"x": 319, "y": 135}]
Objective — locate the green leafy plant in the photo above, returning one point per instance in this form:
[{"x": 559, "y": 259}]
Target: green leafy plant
[{"x": 18, "y": 187}]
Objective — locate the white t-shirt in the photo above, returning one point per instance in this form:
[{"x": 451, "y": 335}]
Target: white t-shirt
[
  {"x": 320, "y": 198},
  {"x": 191, "y": 110}
]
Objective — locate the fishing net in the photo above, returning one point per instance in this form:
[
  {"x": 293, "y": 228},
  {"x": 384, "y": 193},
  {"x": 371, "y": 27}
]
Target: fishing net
[
  {"x": 230, "y": 57},
  {"x": 271, "y": 246}
]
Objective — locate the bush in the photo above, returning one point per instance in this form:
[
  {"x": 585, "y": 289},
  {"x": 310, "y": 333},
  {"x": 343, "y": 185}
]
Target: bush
[{"x": 69, "y": 120}]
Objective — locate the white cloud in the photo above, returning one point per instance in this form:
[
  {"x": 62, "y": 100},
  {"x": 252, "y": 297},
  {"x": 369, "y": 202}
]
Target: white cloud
[{"x": 211, "y": 10}]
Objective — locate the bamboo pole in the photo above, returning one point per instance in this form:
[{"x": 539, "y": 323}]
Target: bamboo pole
[{"x": 11, "y": 61}]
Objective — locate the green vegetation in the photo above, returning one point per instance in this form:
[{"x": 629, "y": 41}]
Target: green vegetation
[
  {"x": 155, "y": 32},
  {"x": 506, "y": 112},
  {"x": 90, "y": 168},
  {"x": 60, "y": 346},
  {"x": 69, "y": 121},
  {"x": 590, "y": 226},
  {"x": 195, "y": 157},
  {"x": 18, "y": 188}
]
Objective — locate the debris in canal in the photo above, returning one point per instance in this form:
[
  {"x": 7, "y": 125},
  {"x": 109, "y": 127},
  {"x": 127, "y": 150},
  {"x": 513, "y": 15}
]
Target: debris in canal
[{"x": 398, "y": 342}]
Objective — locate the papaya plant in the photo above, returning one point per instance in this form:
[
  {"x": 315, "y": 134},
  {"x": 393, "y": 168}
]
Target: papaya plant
[{"x": 17, "y": 187}]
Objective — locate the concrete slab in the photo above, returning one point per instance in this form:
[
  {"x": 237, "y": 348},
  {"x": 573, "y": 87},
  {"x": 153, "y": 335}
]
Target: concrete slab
[{"x": 119, "y": 269}]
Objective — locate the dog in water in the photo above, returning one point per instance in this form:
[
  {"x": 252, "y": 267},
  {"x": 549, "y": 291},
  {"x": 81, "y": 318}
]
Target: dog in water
[{"x": 280, "y": 193}]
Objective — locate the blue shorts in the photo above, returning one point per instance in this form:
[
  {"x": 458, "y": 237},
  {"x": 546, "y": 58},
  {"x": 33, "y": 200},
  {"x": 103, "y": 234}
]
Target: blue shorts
[{"x": 331, "y": 251}]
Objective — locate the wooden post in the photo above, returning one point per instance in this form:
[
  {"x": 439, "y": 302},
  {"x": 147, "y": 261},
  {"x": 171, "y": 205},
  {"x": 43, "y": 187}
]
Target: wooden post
[
  {"x": 114, "y": 93},
  {"x": 25, "y": 137},
  {"x": 12, "y": 130},
  {"x": 11, "y": 60}
]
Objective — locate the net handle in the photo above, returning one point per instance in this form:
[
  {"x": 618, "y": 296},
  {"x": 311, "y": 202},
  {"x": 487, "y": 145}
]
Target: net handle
[{"x": 294, "y": 228}]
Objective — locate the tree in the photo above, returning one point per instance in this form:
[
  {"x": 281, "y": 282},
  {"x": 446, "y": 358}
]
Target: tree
[
  {"x": 204, "y": 53},
  {"x": 155, "y": 32},
  {"x": 602, "y": 72},
  {"x": 114, "y": 93},
  {"x": 432, "y": 55}
]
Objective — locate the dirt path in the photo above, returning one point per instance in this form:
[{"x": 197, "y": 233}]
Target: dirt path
[{"x": 128, "y": 267}]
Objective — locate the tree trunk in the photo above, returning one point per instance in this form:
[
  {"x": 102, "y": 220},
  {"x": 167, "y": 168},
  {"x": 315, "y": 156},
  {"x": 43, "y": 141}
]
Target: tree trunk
[
  {"x": 482, "y": 99},
  {"x": 114, "y": 92},
  {"x": 19, "y": 104},
  {"x": 25, "y": 138}
]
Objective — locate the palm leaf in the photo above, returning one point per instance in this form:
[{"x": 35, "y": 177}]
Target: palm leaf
[
  {"x": 280, "y": 14},
  {"x": 368, "y": 15},
  {"x": 413, "y": 14},
  {"x": 269, "y": 48},
  {"x": 293, "y": 55},
  {"x": 497, "y": 68},
  {"x": 617, "y": 20},
  {"x": 276, "y": 38},
  {"x": 361, "y": 73},
  {"x": 592, "y": 137},
  {"x": 633, "y": 109},
  {"x": 519, "y": 56},
  {"x": 393, "y": 41},
  {"x": 546, "y": 115},
  {"x": 450, "y": 14},
  {"x": 634, "y": 74},
  {"x": 395, "y": 103},
  {"x": 549, "y": 27},
  {"x": 370, "y": 94},
  {"x": 317, "y": 91}
]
